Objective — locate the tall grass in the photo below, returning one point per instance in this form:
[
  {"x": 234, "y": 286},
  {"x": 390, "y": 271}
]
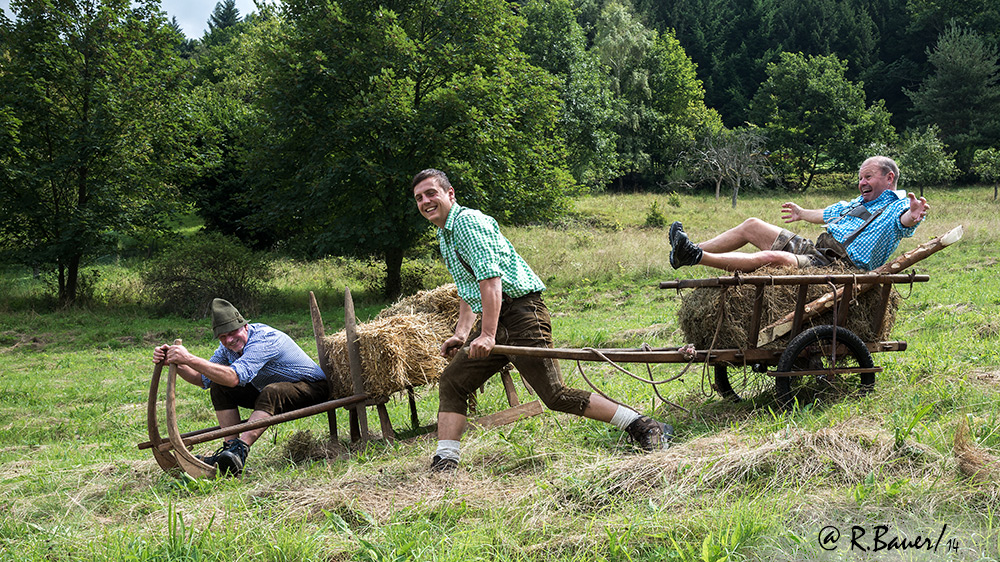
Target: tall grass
[{"x": 742, "y": 482}]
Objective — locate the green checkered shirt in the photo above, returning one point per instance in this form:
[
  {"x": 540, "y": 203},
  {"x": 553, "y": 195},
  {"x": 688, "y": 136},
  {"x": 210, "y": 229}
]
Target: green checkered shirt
[{"x": 476, "y": 237}]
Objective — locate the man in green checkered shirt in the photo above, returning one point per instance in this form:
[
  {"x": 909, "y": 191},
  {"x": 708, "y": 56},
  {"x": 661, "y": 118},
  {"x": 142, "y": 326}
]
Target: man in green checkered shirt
[{"x": 493, "y": 280}]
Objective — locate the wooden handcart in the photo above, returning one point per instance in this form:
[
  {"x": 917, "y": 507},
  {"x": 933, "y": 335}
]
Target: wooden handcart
[{"x": 830, "y": 352}]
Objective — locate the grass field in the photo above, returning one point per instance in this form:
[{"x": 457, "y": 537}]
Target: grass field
[{"x": 744, "y": 481}]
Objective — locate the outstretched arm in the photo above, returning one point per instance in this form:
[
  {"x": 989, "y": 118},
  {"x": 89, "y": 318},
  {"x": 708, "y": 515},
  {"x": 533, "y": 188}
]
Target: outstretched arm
[
  {"x": 916, "y": 213},
  {"x": 792, "y": 212}
]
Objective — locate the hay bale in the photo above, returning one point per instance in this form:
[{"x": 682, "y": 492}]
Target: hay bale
[
  {"x": 699, "y": 312},
  {"x": 400, "y": 347},
  {"x": 441, "y": 301}
]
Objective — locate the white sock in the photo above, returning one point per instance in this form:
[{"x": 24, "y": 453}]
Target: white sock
[
  {"x": 623, "y": 417},
  {"x": 448, "y": 449}
]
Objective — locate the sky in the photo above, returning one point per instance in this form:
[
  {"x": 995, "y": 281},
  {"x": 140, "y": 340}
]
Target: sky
[{"x": 192, "y": 15}]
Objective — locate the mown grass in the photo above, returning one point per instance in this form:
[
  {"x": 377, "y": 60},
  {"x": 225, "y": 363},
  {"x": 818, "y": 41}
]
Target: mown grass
[{"x": 747, "y": 481}]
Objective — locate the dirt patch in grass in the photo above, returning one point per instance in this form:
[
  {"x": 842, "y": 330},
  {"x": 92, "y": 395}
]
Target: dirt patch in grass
[
  {"x": 987, "y": 376},
  {"x": 12, "y": 341}
]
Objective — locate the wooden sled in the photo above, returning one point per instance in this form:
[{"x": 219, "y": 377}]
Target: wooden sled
[{"x": 172, "y": 453}]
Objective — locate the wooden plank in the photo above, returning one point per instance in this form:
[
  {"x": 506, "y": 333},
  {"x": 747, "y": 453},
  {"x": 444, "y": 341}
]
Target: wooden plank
[
  {"x": 758, "y": 302},
  {"x": 508, "y": 387},
  {"x": 839, "y": 371},
  {"x": 354, "y": 359},
  {"x": 203, "y": 436},
  {"x": 510, "y": 415}
]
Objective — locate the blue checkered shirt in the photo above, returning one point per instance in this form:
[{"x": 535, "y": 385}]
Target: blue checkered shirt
[
  {"x": 269, "y": 356},
  {"x": 476, "y": 237},
  {"x": 879, "y": 239}
]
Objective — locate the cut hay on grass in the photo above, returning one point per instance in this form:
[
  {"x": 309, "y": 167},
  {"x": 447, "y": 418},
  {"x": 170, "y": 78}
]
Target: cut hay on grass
[
  {"x": 699, "y": 312},
  {"x": 400, "y": 348},
  {"x": 399, "y": 485},
  {"x": 843, "y": 454},
  {"x": 974, "y": 462}
]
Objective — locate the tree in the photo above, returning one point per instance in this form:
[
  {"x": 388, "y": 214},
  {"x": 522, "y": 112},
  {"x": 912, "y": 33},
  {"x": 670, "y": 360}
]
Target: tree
[
  {"x": 226, "y": 14},
  {"x": 811, "y": 113},
  {"x": 95, "y": 87},
  {"x": 923, "y": 160},
  {"x": 555, "y": 41},
  {"x": 986, "y": 163},
  {"x": 734, "y": 156},
  {"x": 661, "y": 100},
  {"x": 962, "y": 96},
  {"x": 362, "y": 97}
]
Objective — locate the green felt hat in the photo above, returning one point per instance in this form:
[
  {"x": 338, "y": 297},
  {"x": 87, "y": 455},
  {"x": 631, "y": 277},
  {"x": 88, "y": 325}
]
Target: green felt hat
[{"x": 225, "y": 317}]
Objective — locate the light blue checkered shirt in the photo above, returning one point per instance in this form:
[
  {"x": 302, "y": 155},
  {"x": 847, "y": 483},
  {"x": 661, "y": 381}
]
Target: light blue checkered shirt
[
  {"x": 269, "y": 356},
  {"x": 879, "y": 239},
  {"x": 477, "y": 238}
]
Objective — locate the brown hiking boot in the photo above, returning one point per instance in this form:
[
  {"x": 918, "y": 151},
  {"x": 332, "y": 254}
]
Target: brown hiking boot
[{"x": 649, "y": 434}]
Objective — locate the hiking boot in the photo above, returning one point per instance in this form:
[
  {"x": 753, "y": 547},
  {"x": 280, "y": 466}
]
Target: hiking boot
[
  {"x": 649, "y": 434},
  {"x": 443, "y": 465},
  {"x": 675, "y": 228},
  {"x": 232, "y": 457},
  {"x": 684, "y": 251}
]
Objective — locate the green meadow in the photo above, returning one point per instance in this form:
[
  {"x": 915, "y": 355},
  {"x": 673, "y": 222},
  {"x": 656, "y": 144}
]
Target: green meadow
[{"x": 873, "y": 477}]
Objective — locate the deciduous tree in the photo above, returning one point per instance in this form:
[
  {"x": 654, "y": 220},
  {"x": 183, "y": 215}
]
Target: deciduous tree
[
  {"x": 811, "y": 113},
  {"x": 363, "y": 96},
  {"x": 986, "y": 163},
  {"x": 94, "y": 86}
]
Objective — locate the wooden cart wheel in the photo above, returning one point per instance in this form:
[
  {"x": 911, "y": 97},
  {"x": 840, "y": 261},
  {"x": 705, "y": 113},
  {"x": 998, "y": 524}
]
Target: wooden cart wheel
[{"x": 813, "y": 351}]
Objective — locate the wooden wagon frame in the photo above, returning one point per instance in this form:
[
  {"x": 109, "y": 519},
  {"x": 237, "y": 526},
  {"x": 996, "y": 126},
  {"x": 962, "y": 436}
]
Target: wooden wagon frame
[{"x": 825, "y": 351}]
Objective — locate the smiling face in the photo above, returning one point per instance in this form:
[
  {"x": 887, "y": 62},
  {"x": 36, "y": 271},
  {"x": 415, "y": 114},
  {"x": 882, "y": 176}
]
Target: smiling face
[
  {"x": 872, "y": 181},
  {"x": 236, "y": 340},
  {"x": 433, "y": 201}
]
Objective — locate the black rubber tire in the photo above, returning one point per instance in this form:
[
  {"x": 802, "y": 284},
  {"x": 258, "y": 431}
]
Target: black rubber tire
[{"x": 802, "y": 353}]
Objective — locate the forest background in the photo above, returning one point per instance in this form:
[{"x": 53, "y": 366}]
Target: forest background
[{"x": 296, "y": 129}]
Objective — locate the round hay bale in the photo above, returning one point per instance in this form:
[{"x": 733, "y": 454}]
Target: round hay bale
[{"x": 701, "y": 308}]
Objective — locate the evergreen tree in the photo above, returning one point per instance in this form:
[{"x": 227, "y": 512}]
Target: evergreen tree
[{"x": 962, "y": 96}]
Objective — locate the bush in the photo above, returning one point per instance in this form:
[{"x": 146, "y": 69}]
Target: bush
[
  {"x": 189, "y": 274},
  {"x": 655, "y": 218}
]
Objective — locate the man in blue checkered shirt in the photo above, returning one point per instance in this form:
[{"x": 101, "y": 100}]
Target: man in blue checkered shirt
[
  {"x": 255, "y": 367},
  {"x": 492, "y": 279},
  {"x": 868, "y": 228}
]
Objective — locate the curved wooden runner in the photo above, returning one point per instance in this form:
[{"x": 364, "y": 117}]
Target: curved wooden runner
[
  {"x": 185, "y": 459},
  {"x": 165, "y": 459}
]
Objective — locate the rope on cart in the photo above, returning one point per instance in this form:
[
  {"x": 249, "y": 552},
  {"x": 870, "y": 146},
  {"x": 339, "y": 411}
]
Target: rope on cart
[{"x": 648, "y": 381}]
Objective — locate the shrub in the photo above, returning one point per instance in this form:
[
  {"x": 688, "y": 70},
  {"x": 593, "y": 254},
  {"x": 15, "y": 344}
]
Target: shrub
[
  {"x": 189, "y": 274},
  {"x": 654, "y": 218}
]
